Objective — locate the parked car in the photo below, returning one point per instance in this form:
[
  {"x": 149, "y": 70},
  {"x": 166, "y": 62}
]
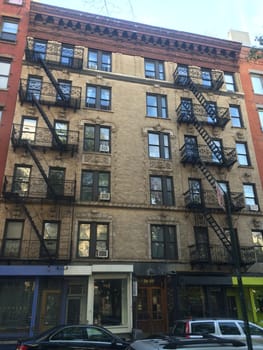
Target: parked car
[
  {"x": 74, "y": 337},
  {"x": 203, "y": 342},
  {"x": 223, "y": 328}
]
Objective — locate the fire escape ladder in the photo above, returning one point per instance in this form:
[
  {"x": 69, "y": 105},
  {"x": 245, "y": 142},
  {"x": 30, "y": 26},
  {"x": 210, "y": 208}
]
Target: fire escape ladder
[
  {"x": 53, "y": 80},
  {"x": 38, "y": 164},
  {"x": 39, "y": 236},
  {"x": 219, "y": 232},
  {"x": 49, "y": 125},
  {"x": 210, "y": 178}
]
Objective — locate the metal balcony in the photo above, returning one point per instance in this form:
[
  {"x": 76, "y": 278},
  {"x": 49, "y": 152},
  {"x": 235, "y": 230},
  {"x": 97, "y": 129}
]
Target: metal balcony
[
  {"x": 220, "y": 117},
  {"x": 218, "y": 255},
  {"x": 182, "y": 78},
  {"x": 36, "y": 188},
  {"x": 191, "y": 155},
  {"x": 209, "y": 200},
  {"x": 47, "y": 95},
  {"x": 30, "y": 250},
  {"x": 54, "y": 57},
  {"x": 42, "y": 138}
]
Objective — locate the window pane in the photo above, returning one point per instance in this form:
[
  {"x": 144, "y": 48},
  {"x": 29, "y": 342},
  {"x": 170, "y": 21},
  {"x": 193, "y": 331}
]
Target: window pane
[
  {"x": 84, "y": 231},
  {"x": 50, "y": 230},
  {"x": 14, "y": 229},
  {"x": 257, "y": 82},
  {"x": 83, "y": 249},
  {"x": 102, "y": 232}
]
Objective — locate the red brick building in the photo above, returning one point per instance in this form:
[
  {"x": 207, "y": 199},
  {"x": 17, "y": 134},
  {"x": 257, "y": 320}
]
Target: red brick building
[{"x": 13, "y": 31}]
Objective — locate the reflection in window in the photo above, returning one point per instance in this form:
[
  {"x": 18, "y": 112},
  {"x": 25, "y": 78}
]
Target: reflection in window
[
  {"x": 93, "y": 240},
  {"x": 159, "y": 145},
  {"x": 154, "y": 69},
  {"x": 156, "y": 106},
  {"x": 96, "y": 138},
  {"x": 161, "y": 190},
  {"x": 50, "y": 236},
  {"x": 28, "y": 129},
  {"x": 4, "y": 73},
  {"x": 164, "y": 242},
  {"x": 12, "y": 238},
  {"x": 94, "y": 185},
  {"x": 21, "y": 180},
  {"x": 9, "y": 29}
]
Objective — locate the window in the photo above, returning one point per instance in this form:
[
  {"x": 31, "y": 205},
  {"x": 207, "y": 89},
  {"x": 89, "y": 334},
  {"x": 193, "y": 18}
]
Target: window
[
  {"x": 65, "y": 87},
  {"x": 182, "y": 74},
  {"x": 230, "y": 82},
  {"x": 12, "y": 238},
  {"x": 61, "y": 129},
  {"x": 67, "y": 55},
  {"x": 211, "y": 111},
  {"x": 93, "y": 240},
  {"x": 95, "y": 185},
  {"x": 50, "y": 237},
  {"x": 159, "y": 145},
  {"x": 156, "y": 106},
  {"x": 235, "y": 116},
  {"x": 161, "y": 188},
  {"x": 154, "y": 69},
  {"x": 98, "y": 97},
  {"x": 185, "y": 110},
  {"x": 9, "y": 29},
  {"x": 28, "y": 128},
  {"x": 195, "y": 191},
  {"x": 96, "y": 138},
  {"x": 21, "y": 180},
  {"x": 4, "y": 73},
  {"x": 228, "y": 328},
  {"x": 257, "y": 239},
  {"x": 164, "y": 242},
  {"x": 217, "y": 155},
  {"x": 15, "y": 2},
  {"x": 34, "y": 85},
  {"x": 257, "y": 83},
  {"x": 56, "y": 179},
  {"x": 250, "y": 197},
  {"x": 260, "y": 115},
  {"x": 99, "y": 60},
  {"x": 39, "y": 48},
  {"x": 242, "y": 153},
  {"x": 206, "y": 78}
]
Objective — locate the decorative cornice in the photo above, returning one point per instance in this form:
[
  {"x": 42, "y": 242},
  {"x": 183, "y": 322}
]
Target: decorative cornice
[{"x": 174, "y": 43}]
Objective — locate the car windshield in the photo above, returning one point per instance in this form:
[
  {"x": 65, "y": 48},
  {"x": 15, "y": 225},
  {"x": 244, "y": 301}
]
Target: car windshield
[{"x": 254, "y": 330}]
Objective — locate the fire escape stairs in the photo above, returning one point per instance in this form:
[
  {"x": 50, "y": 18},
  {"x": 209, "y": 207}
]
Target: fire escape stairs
[{"x": 53, "y": 79}]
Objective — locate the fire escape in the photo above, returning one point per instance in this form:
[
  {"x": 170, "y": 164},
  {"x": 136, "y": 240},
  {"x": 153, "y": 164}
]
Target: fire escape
[
  {"x": 212, "y": 154},
  {"x": 25, "y": 190}
]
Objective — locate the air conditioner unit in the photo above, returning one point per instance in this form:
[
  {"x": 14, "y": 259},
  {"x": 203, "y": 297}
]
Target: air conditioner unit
[
  {"x": 253, "y": 207},
  {"x": 104, "y": 196},
  {"x": 104, "y": 148},
  {"x": 102, "y": 253}
]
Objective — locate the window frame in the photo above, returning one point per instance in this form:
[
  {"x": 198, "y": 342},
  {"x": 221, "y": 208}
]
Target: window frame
[
  {"x": 65, "y": 59},
  {"x": 244, "y": 155},
  {"x": 260, "y": 117},
  {"x": 48, "y": 240},
  {"x": 15, "y": 2},
  {"x": 257, "y": 86},
  {"x": 23, "y": 132},
  {"x": 12, "y": 239},
  {"x": 250, "y": 200},
  {"x": 41, "y": 50},
  {"x": 206, "y": 76},
  {"x": 59, "y": 183},
  {"x": 162, "y": 193},
  {"x": 168, "y": 245},
  {"x": 99, "y": 144},
  {"x": 93, "y": 188},
  {"x": 66, "y": 88},
  {"x": 158, "y": 71},
  {"x": 236, "y": 116},
  {"x": 32, "y": 90},
  {"x": 99, "y": 63},
  {"x": 230, "y": 82},
  {"x": 23, "y": 182},
  {"x": 98, "y": 97},
  {"x": 93, "y": 239},
  {"x": 160, "y": 106},
  {"x": 4, "y": 75},
  {"x": 164, "y": 150},
  {"x": 9, "y": 35}
]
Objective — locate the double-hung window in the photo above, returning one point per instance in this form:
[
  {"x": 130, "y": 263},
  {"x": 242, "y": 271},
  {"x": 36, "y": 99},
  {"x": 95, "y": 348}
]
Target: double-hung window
[
  {"x": 257, "y": 83},
  {"x": 8, "y": 29},
  {"x": 21, "y": 180},
  {"x": 95, "y": 185},
  {"x": 154, "y": 69},
  {"x": 1, "y": 113},
  {"x": 12, "y": 238},
  {"x": 50, "y": 239},
  {"x": 257, "y": 239},
  {"x": 99, "y": 60},
  {"x": 235, "y": 116},
  {"x": 98, "y": 97},
  {"x": 206, "y": 78},
  {"x": 211, "y": 111},
  {"x": 164, "y": 242},
  {"x": 34, "y": 86},
  {"x": 93, "y": 240},
  {"x": 250, "y": 196},
  {"x": 260, "y": 116},
  {"x": 40, "y": 49},
  {"x": 230, "y": 82},
  {"x": 56, "y": 178},
  {"x": 65, "y": 88},
  {"x": 5, "y": 66},
  {"x": 28, "y": 128},
  {"x": 242, "y": 153},
  {"x": 62, "y": 130},
  {"x": 161, "y": 190},
  {"x": 159, "y": 145},
  {"x": 67, "y": 55},
  {"x": 97, "y": 138},
  {"x": 156, "y": 106},
  {"x": 15, "y": 2}
]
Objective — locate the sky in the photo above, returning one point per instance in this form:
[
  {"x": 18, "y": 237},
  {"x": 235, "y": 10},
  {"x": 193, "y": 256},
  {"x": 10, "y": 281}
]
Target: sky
[{"x": 206, "y": 17}]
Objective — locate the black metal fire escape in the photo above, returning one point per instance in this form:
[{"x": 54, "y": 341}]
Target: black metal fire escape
[{"x": 186, "y": 81}]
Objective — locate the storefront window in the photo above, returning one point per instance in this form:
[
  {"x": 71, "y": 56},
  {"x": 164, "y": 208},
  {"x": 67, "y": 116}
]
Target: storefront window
[
  {"x": 110, "y": 301},
  {"x": 15, "y": 305}
]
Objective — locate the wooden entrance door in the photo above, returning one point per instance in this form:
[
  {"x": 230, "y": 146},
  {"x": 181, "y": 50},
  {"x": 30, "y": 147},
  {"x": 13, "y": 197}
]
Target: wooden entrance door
[
  {"x": 151, "y": 309},
  {"x": 50, "y": 307}
]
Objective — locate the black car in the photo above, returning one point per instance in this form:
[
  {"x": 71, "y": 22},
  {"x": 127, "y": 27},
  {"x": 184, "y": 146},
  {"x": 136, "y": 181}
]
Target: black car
[{"x": 79, "y": 337}]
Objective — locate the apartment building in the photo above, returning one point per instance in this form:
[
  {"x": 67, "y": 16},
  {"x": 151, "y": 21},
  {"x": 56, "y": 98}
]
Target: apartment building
[
  {"x": 130, "y": 169},
  {"x": 14, "y": 16}
]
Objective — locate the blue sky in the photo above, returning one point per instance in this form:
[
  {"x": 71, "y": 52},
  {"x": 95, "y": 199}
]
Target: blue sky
[{"x": 207, "y": 17}]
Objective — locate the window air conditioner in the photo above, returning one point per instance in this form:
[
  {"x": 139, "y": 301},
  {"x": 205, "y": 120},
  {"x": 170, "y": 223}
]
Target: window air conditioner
[
  {"x": 253, "y": 207},
  {"x": 104, "y": 196},
  {"x": 102, "y": 253},
  {"x": 104, "y": 148}
]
